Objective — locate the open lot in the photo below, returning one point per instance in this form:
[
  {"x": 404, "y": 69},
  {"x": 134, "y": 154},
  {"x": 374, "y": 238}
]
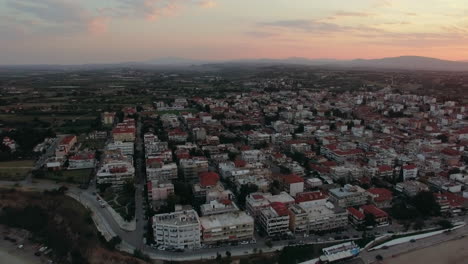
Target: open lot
[
  {"x": 15, "y": 170},
  {"x": 73, "y": 176}
]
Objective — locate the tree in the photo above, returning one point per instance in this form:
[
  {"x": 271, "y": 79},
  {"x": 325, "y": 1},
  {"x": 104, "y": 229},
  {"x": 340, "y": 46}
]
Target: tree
[
  {"x": 245, "y": 190},
  {"x": 445, "y": 224},
  {"x": 426, "y": 204},
  {"x": 114, "y": 242},
  {"x": 418, "y": 224},
  {"x": 369, "y": 220},
  {"x": 269, "y": 244}
]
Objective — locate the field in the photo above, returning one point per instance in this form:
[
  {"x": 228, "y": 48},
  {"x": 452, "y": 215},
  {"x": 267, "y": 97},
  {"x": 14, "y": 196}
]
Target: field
[
  {"x": 15, "y": 170},
  {"x": 73, "y": 176}
]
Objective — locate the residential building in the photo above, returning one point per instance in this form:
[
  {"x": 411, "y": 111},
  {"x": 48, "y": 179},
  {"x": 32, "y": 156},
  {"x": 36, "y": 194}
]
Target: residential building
[
  {"x": 157, "y": 170},
  {"x": 115, "y": 168},
  {"x": 380, "y": 197},
  {"x": 159, "y": 191},
  {"x": 227, "y": 227},
  {"x": 411, "y": 188},
  {"x": 380, "y": 216},
  {"x": 293, "y": 184},
  {"x": 192, "y": 167},
  {"x": 82, "y": 160},
  {"x": 65, "y": 145},
  {"x": 348, "y": 196},
  {"x": 324, "y": 217},
  {"x": 127, "y": 148},
  {"x": 179, "y": 230},
  {"x": 274, "y": 219}
]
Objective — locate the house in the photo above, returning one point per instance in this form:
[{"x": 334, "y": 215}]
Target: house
[
  {"x": 409, "y": 171},
  {"x": 293, "y": 184},
  {"x": 380, "y": 216},
  {"x": 380, "y": 197},
  {"x": 82, "y": 160},
  {"x": 65, "y": 145}
]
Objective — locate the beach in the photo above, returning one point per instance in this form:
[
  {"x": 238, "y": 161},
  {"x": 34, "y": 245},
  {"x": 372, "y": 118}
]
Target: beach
[{"x": 451, "y": 252}]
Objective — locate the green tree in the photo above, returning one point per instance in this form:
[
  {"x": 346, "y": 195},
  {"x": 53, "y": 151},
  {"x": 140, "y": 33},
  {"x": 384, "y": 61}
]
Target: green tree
[{"x": 426, "y": 204}]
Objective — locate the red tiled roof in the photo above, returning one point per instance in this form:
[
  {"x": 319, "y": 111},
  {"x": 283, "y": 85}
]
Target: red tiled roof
[
  {"x": 356, "y": 213},
  {"x": 385, "y": 168},
  {"x": 123, "y": 130},
  {"x": 381, "y": 193},
  {"x": 371, "y": 209},
  {"x": 257, "y": 196},
  {"x": 83, "y": 156},
  {"x": 409, "y": 167},
  {"x": 280, "y": 208},
  {"x": 450, "y": 152},
  {"x": 240, "y": 163},
  {"x": 208, "y": 178},
  {"x": 310, "y": 196},
  {"x": 66, "y": 140},
  {"x": 292, "y": 178}
]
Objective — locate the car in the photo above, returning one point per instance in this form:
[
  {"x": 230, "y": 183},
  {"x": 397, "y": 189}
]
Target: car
[
  {"x": 412, "y": 240},
  {"x": 385, "y": 247},
  {"x": 20, "y": 246},
  {"x": 244, "y": 242}
]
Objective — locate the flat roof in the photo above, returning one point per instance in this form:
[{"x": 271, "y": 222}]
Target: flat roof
[{"x": 227, "y": 219}]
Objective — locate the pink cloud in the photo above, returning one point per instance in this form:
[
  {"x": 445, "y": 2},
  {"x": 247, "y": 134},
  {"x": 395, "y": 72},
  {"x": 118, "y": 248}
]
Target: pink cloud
[
  {"x": 98, "y": 25},
  {"x": 208, "y": 4}
]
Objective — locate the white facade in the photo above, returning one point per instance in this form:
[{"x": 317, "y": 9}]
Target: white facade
[{"x": 179, "y": 229}]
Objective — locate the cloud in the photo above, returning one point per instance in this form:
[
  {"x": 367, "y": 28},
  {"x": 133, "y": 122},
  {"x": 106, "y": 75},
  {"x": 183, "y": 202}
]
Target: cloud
[
  {"x": 54, "y": 17},
  {"x": 260, "y": 34},
  {"x": 208, "y": 4},
  {"x": 372, "y": 34},
  {"x": 98, "y": 25},
  {"x": 306, "y": 25},
  {"x": 155, "y": 9},
  {"x": 340, "y": 14}
]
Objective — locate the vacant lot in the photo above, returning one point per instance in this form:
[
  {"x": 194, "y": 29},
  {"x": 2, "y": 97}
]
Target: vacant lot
[
  {"x": 73, "y": 176},
  {"x": 15, "y": 170}
]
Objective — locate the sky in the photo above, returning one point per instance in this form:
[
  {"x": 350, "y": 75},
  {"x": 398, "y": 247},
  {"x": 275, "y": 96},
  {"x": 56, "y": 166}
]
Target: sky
[{"x": 109, "y": 31}]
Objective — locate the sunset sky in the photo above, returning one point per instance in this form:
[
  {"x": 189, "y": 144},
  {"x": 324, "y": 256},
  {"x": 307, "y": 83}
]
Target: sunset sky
[{"x": 102, "y": 31}]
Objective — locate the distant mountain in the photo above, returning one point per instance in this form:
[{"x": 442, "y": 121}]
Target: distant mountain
[
  {"x": 402, "y": 63},
  {"x": 176, "y": 61},
  {"x": 410, "y": 63}
]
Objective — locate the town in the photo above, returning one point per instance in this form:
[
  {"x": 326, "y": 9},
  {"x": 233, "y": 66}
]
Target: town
[{"x": 239, "y": 165}]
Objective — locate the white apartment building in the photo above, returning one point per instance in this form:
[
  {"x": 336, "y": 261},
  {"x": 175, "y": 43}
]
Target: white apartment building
[
  {"x": 161, "y": 172},
  {"x": 127, "y": 148},
  {"x": 275, "y": 219},
  {"x": 159, "y": 191},
  {"x": 179, "y": 229},
  {"x": 253, "y": 155},
  {"x": 326, "y": 216},
  {"x": 116, "y": 168},
  {"x": 347, "y": 196},
  {"x": 227, "y": 227},
  {"x": 191, "y": 167}
]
